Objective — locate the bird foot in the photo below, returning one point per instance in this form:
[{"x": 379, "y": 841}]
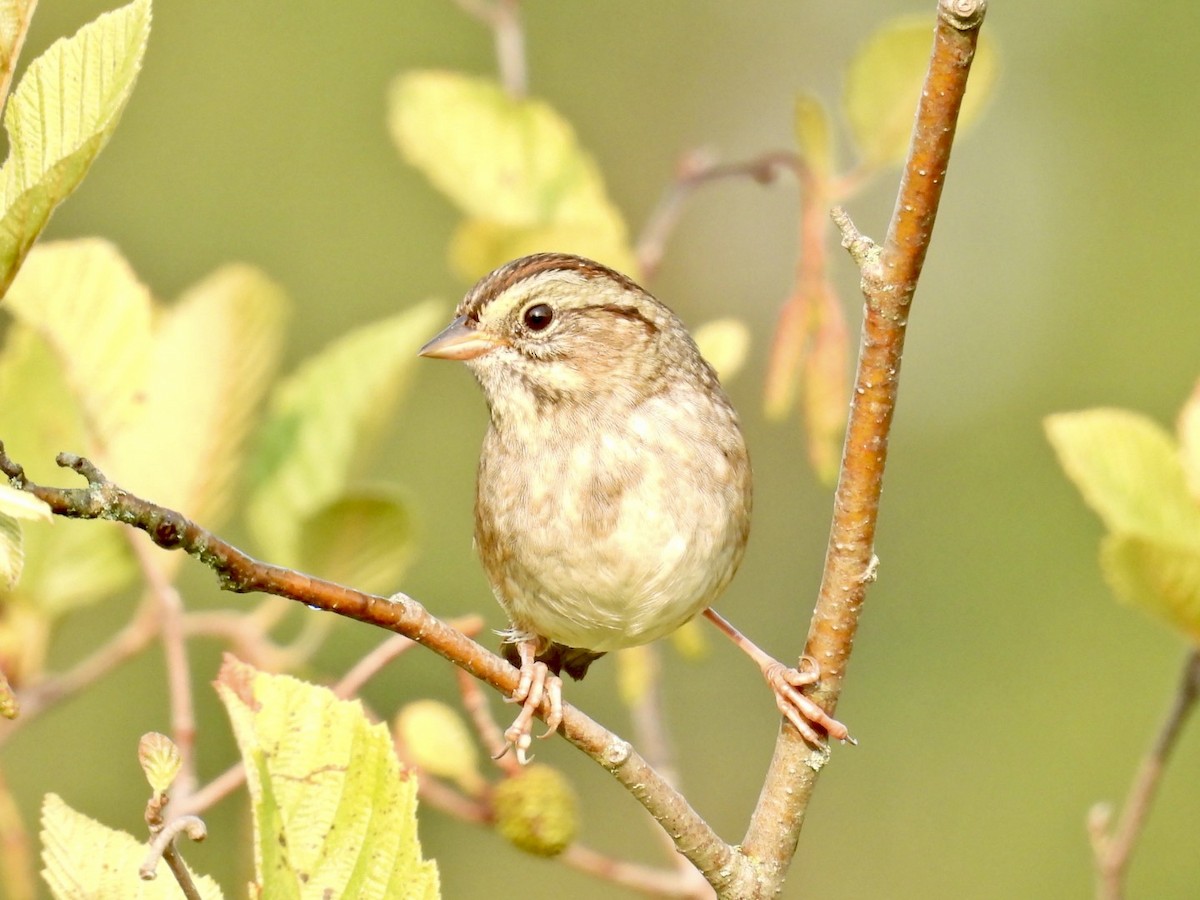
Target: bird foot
[
  {"x": 798, "y": 709},
  {"x": 537, "y": 684}
]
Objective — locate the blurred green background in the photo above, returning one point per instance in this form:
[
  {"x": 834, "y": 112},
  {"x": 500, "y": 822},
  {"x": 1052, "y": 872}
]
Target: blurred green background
[{"x": 997, "y": 689}]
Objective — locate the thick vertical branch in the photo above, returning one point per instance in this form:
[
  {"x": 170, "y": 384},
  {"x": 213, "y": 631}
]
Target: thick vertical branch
[{"x": 889, "y": 279}]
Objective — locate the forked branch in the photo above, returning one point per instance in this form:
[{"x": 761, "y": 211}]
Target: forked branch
[{"x": 889, "y": 279}]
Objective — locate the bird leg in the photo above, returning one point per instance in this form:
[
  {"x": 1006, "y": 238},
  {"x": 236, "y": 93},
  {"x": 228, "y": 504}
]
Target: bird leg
[
  {"x": 785, "y": 683},
  {"x": 537, "y": 683}
]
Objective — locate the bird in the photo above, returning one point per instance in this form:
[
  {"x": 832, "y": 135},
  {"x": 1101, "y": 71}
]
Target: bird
[{"x": 613, "y": 494}]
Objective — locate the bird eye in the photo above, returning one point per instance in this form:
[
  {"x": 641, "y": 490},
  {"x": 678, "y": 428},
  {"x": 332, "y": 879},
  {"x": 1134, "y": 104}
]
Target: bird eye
[{"x": 538, "y": 317}]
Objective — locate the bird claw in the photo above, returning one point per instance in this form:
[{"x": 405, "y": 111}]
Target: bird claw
[
  {"x": 537, "y": 684},
  {"x": 798, "y": 709}
]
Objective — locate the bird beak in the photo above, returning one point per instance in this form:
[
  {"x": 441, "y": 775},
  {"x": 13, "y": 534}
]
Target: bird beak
[{"x": 460, "y": 340}]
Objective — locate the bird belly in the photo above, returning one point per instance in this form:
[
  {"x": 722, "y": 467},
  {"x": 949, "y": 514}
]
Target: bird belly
[{"x": 619, "y": 548}]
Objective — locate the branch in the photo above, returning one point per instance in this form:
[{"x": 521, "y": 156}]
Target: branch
[
  {"x": 237, "y": 572},
  {"x": 889, "y": 279},
  {"x": 503, "y": 17},
  {"x": 1113, "y": 850}
]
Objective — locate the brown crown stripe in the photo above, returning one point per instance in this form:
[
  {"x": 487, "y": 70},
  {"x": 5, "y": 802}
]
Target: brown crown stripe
[{"x": 493, "y": 285}]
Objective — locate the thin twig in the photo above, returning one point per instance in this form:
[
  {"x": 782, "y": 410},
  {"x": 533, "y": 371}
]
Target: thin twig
[
  {"x": 889, "y": 281},
  {"x": 179, "y": 680},
  {"x": 16, "y": 857},
  {"x": 163, "y": 846},
  {"x": 131, "y": 640},
  {"x": 1113, "y": 849},
  {"x": 239, "y": 573},
  {"x": 504, "y": 18},
  {"x": 696, "y": 168}
]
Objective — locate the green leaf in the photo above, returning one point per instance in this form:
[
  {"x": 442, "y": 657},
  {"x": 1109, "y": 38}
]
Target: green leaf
[
  {"x": 1127, "y": 468},
  {"x": 1156, "y": 576},
  {"x": 363, "y": 538},
  {"x": 510, "y": 165},
  {"x": 214, "y": 355},
  {"x": 58, "y": 119},
  {"x": 86, "y": 302},
  {"x": 85, "y": 860},
  {"x": 883, "y": 85},
  {"x": 814, "y": 133},
  {"x": 323, "y": 420},
  {"x": 334, "y": 814}
]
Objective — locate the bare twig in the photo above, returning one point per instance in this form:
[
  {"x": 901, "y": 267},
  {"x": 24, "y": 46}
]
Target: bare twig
[
  {"x": 696, "y": 168},
  {"x": 179, "y": 680},
  {"x": 163, "y": 846},
  {"x": 131, "y": 640},
  {"x": 504, "y": 18},
  {"x": 16, "y": 857},
  {"x": 889, "y": 279},
  {"x": 1113, "y": 849},
  {"x": 237, "y": 572}
]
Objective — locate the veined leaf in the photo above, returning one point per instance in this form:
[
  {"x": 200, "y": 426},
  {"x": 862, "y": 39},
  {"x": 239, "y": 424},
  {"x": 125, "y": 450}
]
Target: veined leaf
[
  {"x": 883, "y": 85},
  {"x": 513, "y": 166},
  {"x": 215, "y": 353},
  {"x": 324, "y": 418},
  {"x": 85, "y": 860},
  {"x": 363, "y": 538},
  {"x": 334, "y": 814},
  {"x": 85, "y": 301},
  {"x": 1127, "y": 468},
  {"x": 1157, "y": 576},
  {"x": 58, "y": 119}
]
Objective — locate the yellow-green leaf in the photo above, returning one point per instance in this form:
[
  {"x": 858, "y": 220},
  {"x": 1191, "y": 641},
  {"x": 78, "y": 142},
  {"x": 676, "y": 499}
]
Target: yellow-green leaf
[
  {"x": 725, "y": 343},
  {"x": 323, "y": 420},
  {"x": 1189, "y": 442},
  {"x": 814, "y": 134},
  {"x": 10, "y": 707},
  {"x": 478, "y": 246},
  {"x": 436, "y": 740},
  {"x": 86, "y": 302},
  {"x": 85, "y": 860},
  {"x": 1129, "y": 472},
  {"x": 14, "y": 23},
  {"x": 12, "y": 553},
  {"x": 160, "y": 760},
  {"x": 215, "y": 353},
  {"x": 60, "y": 116},
  {"x": 23, "y": 505},
  {"x": 67, "y": 563},
  {"x": 334, "y": 814},
  {"x": 1157, "y": 576},
  {"x": 884, "y": 82},
  {"x": 363, "y": 538},
  {"x": 512, "y": 165}
]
